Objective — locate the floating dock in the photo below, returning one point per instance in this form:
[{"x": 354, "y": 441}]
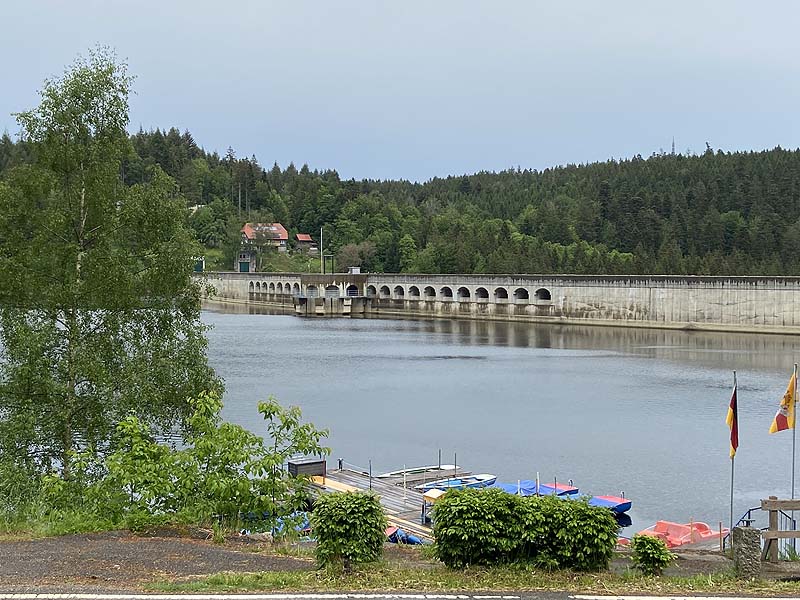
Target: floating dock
[{"x": 403, "y": 507}]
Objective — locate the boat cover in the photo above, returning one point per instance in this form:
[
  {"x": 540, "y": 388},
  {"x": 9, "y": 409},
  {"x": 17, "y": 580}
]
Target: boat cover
[
  {"x": 615, "y": 503},
  {"x": 527, "y": 487}
]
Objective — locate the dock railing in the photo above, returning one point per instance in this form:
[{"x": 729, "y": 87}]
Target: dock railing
[
  {"x": 779, "y": 538},
  {"x": 779, "y": 535}
]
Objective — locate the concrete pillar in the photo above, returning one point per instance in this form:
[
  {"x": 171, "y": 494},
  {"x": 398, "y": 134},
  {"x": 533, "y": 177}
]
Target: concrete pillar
[{"x": 747, "y": 552}]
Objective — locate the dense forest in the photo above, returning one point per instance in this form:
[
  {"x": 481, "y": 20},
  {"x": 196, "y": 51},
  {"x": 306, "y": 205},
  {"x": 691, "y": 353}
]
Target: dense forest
[{"x": 716, "y": 213}]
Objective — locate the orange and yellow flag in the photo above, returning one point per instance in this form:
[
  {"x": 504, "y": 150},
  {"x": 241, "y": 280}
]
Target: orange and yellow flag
[{"x": 785, "y": 417}]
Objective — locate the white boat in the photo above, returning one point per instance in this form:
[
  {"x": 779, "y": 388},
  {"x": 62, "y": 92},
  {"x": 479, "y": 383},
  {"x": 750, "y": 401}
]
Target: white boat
[{"x": 434, "y": 469}]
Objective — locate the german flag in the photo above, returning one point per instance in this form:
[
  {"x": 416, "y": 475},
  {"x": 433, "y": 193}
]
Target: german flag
[
  {"x": 733, "y": 422},
  {"x": 784, "y": 419}
]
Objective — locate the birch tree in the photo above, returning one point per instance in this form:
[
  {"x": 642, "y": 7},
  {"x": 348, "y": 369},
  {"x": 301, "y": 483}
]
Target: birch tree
[{"x": 99, "y": 316}]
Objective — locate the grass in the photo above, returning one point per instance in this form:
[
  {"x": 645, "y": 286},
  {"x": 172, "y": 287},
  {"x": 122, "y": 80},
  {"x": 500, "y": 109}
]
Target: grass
[
  {"x": 411, "y": 570},
  {"x": 436, "y": 578},
  {"x": 273, "y": 262},
  {"x": 34, "y": 519},
  {"x": 53, "y": 524},
  {"x": 284, "y": 262}
]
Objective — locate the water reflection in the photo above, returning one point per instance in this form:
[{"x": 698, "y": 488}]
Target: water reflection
[
  {"x": 730, "y": 350},
  {"x": 612, "y": 408}
]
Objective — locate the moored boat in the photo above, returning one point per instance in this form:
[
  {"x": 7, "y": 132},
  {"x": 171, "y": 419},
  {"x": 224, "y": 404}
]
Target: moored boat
[
  {"x": 432, "y": 469},
  {"x": 617, "y": 504},
  {"x": 458, "y": 483},
  {"x": 678, "y": 534},
  {"x": 529, "y": 487},
  {"x": 526, "y": 487}
]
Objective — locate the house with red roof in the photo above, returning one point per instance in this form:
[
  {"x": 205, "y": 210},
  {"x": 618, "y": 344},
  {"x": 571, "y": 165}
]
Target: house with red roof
[
  {"x": 271, "y": 234},
  {"x": 256, "y": 237}
]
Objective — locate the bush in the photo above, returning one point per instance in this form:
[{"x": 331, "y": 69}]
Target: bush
[
  {"x": 138, "y": 482},
  {"x": 650, "y": 554},
  {"x": 222, "y": 470},
  {"x": 588, "y": 538},
  {"x": 477, "y": 527},
  {"x": 491, "y": 526},
  {"x": 350, "y": 528}
]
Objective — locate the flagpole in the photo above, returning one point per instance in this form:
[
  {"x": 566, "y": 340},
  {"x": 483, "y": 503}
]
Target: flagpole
[
  {"x": 735, "y": 391},
  {"x": 794, "y": 437},
  {"x": 794, "y": 424}
]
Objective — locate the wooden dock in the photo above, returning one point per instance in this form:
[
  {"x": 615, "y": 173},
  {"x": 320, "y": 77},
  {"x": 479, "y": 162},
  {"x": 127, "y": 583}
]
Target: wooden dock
[{"x": 403, "y": 507}]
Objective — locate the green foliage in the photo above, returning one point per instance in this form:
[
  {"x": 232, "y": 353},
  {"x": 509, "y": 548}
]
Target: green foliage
[
  {"x": 99, "y": 316},
  {"x": 477, "y": 527},
  {"x": 287, "y": 436},
  {"x": 585, "y": 536},
  {"x": 221, "y": 466},
  {"x": 222, "y": 470},
  {"x": 487, "y": 527},
  {"x": 650, "y": 554},
  {"x": 408, "y": 253},
  {"x": 141, "y": 475},
  {"x": 349, "y": 527},
  {"x": 716, "y": 214}
]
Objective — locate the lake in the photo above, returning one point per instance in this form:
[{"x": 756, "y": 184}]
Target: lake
[{"x": 613, "y": 409}]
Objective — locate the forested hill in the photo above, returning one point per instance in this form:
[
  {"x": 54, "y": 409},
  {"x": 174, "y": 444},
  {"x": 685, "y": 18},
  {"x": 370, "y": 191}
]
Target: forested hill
[{"x": 715, "y": 213}]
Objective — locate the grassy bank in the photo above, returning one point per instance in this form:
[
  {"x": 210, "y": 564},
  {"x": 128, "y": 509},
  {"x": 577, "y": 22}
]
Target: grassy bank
[{"x": 436, "y": 578}]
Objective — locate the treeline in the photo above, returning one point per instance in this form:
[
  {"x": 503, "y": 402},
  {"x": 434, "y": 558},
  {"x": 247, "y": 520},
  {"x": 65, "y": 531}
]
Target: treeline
[{"x": 717, "y": 213}]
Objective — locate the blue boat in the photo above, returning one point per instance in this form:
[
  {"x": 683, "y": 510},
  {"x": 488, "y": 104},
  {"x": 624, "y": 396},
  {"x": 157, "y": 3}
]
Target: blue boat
[
  {"x": 529, "y": 487},
  {"x": 617, "y": 504},
  {"x": 458, "y": 483}
]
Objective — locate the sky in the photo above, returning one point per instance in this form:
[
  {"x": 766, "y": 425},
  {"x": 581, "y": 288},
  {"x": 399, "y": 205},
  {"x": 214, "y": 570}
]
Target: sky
[{"x": 418, "y": 89}]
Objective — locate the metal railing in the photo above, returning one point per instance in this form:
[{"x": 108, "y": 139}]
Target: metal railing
[{"x": 786, "y": 522}]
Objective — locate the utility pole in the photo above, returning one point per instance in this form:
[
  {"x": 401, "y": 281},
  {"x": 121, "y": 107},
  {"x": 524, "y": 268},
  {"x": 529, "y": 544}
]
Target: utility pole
[
  {"x": 321, "y": 255},
  {"x": 240, "y": 200}
]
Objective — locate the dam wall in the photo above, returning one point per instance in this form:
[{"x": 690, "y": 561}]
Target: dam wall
[{"x": 764, "y": 304}]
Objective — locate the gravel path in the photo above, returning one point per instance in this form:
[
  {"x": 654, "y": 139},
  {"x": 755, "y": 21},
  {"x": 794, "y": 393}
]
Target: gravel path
[{"x": 122, "y": 561}]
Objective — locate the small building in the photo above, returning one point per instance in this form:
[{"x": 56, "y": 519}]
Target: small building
[
  {"x": 265, "y": 234},
  {"x": 256, "y": 237},
  {"x": 305, "y": 243},
  {"x": 247, "y": 261}
]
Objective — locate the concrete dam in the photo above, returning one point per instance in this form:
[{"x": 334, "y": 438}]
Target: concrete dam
[{"x": 757, "y": 304}]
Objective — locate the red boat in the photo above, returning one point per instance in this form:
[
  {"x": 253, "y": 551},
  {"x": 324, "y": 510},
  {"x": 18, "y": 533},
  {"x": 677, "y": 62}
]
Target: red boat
[{"x": 677, "y": 534}]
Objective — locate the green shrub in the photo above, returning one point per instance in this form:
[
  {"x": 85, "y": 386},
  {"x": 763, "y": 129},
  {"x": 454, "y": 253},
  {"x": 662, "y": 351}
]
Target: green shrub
[
  {"x": 650, "y": 554},
  {"x": 484, "y": 527},
  {"x": 138, "y": 482},
  {"x": 544, "y": 526},
  {"x": 588, "y": 538},
  {"x": 477, "y": 527},
  {"x": 350, "y": 528}
]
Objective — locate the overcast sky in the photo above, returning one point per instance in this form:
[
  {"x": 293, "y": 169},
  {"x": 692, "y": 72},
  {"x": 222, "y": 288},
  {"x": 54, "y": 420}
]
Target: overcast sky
[{"x": 415, "y": 89}]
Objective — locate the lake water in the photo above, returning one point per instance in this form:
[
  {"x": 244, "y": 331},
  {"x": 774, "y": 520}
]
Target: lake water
[{"x": 613, "y": 409}]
